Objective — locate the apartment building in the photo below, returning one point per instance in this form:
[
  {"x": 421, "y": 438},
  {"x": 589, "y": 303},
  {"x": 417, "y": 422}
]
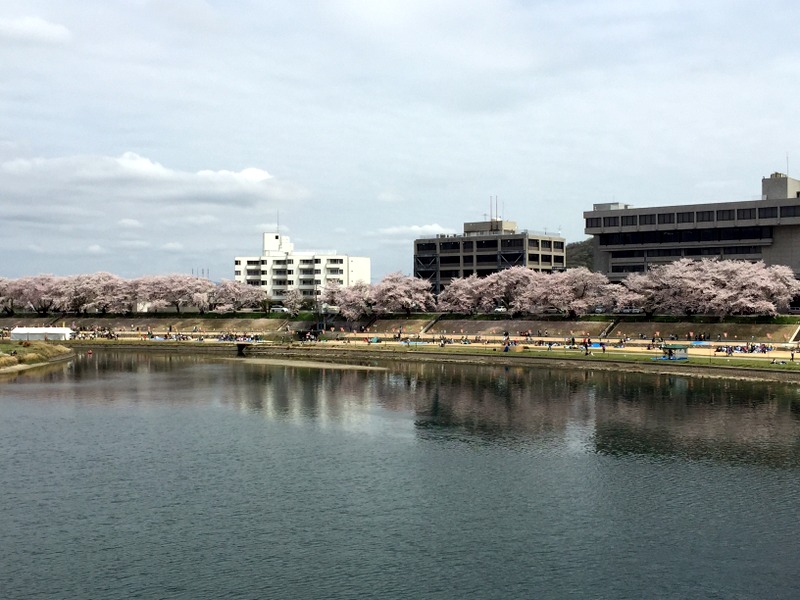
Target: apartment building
[
  {"x": 281, "y": 268},
  {"x": 630, "y": 240},
  {"x": 486, "y": 247}
]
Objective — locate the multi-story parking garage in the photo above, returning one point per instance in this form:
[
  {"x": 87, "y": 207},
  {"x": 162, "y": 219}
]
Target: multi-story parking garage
[{"x": 484, "y": 248}]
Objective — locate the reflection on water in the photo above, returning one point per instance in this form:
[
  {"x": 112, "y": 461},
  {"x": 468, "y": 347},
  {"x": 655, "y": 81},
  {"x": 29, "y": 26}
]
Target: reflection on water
[
  {"x": 165, "y": 476},
  {"x": 592, "y": 411}
]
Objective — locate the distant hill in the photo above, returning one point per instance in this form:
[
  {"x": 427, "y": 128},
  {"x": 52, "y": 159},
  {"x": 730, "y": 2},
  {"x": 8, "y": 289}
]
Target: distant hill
[{"x": 579, "y": 254}]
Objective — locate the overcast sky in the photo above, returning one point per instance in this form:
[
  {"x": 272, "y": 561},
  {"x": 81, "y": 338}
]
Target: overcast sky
[{"x": 159, "y": 136}]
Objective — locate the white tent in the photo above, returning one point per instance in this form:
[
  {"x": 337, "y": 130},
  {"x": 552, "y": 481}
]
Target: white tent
[{"x": 41, "y": 333}]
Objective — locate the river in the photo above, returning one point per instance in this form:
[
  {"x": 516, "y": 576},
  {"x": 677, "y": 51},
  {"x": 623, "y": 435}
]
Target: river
[{"x": 128, "y": 475}]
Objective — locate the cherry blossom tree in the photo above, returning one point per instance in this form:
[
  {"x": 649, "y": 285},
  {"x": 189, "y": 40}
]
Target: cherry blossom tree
[
  {"x": 576, "y": 291},
  {"x": 112, "y": 294},
  {"x": 234, "y": 295},
  {"x": 100, "y": 292},
  {"x": 177, "y": 290},
  {"x": 398, "y": 293},
  {"x": 354, "y": 302},
  {"x": 501, "y": 289},
  {"x": 39, "y": 293},
  {"x": 293, "y": 300},
  {"x": 719, "y": 287},
  {"x": 462, "y": 295},
  {"x": 6, "y": 301}
]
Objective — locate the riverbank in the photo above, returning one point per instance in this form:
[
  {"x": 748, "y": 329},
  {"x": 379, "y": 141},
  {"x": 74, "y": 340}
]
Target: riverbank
[{"x": 23, "y": 356}]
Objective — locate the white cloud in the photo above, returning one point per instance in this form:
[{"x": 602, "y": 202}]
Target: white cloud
[
  {"x": 130, "y": 223},
  {"x": 96, "y": 249},
  {"x": 389, "y": 197},
  {"x": 202, "y": 219},
  {"x": 134, "y": 244},
  {"x": 416, "y": 230},
  {"x": 172, "y": 246},
  {"x": 33, "y": 30}
]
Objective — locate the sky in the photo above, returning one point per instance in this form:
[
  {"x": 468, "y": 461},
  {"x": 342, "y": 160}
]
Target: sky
[{"x": 145, "y": 137}]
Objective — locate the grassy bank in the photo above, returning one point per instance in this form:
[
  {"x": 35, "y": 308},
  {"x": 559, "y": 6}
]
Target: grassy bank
[{"x": 14, "y": 355}]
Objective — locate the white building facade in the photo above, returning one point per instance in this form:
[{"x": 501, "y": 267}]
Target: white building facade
[{"x": 281, "y": 268}]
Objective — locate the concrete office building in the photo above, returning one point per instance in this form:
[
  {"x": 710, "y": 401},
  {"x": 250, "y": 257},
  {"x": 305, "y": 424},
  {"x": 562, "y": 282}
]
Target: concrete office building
[
  {"x": 629, "y": 240},
  {"x": 484, "y": 248},
  {"x": 281, "y": 268}
]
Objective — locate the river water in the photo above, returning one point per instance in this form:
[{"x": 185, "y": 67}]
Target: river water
[{"x": 149, "y": 476}]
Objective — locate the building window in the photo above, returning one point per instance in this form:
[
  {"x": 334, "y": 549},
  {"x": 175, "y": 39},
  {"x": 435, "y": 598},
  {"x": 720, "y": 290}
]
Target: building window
[
  {"x": 237, "y": 262},
  {"x": 647, "y": 219},
  {"x": 486, "y": 244},
  {"x": 512, "y": 243},
  {"x": 238, "y": 273},
  {"x": 593, "y": 222},
  {"x": 705, "y": 216},
  {"x": 790, "y": 211},
  {"x": 449, "y": 246},
  {"x": 627, "y": 268},
  {"x": 546, "y": 244},
  {"x": 666, "y": 218},
  {"x": 629, "y": 220},
  {"x": 725, "y": 215},
  {"x": 547, "y": 259},
  {"x": 468, "y": 260},
  {"x": 426, "y": 247},
  {"x": 558, "y": 245},
  {"x": 770, "y": 212},
  {"x": 610, "y": 221},
  {"x": 468, "y": 246},
  {"x": 746, "y": 213},
  {"x": 685, "y": 217},
  {"x": 559, "y": 260},
  {"x": 533, "y": 244},
  {"x": 533, "y": 258}
]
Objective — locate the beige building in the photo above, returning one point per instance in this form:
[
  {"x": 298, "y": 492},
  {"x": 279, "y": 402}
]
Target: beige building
[
  {"x": 281, "y": 268},
  {"x": 484, "y": 248},
  {"x": 629, "y": 240}
]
